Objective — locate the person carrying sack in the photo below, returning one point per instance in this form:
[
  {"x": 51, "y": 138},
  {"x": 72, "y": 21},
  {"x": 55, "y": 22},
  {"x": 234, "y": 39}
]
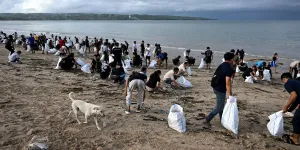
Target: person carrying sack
[{"x": 135, "y": 81}]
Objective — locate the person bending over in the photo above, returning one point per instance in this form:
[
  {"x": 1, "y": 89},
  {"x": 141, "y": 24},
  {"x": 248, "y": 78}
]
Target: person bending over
[
  {"x": 176, "y": 61},
  {"x": 247, "y": 73},
  {"x": 135, "y": 81},
  {"x": 293, "y": 88},
  {"x": 182, "y": 69},
  {"x": 161, "y": 58},
  {"x": 96, "y": 64},
  {"x": 294, "y": 68},
  {"x": 68, "y": 62},
  {"x": 14, "y": 57},
  {"x": 153, "y": 83},
  {"x": 117, "y": 74},
  {"x": 170, "y": 77},
  {"x": 137, "y": 60}
]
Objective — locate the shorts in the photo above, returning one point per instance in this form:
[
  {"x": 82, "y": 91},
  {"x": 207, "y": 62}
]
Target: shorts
[
  {"x": 296, "y": 122},
  {"x": 208, "y": 60}
]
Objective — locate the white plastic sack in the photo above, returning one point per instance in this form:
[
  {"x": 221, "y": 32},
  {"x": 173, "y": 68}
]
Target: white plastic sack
[
  {"x": 176, "y": 118},
  {"x": 257, "y": 73},
  {"x": 152, "y": 64},
  {"x": 237, "y": 70},
  {"x": 275, "y": 126},
  {"x": 267, "y": 75},
  {"x": 47, "y": 48},
  {"x": 230, "y": 117},
  {"x": 249, "y": 79},
  {"x": 80, "y": 62},
  {"x": 57, "y": 53},
  {"x": 110, "y": 59},
  {"x": 28, "y": 48},
  {"x": 57, "y": 66},
  {"x": 53, "y": 51},
  {"x": 81, "y": 51},
  {"x": 184, "y": 82},
  {"x": 127, "y": 64},
  {"x": 77, "y": 46},
  {"x": 86, "y": 68},
  {"x": 95, "y": 49},
  {"x": 125, "y": 70},
  {"x": 202, "y": 64},
  {"x": 298, "y": 75},
  {"x": 184, "y": 54},
  {"x": 102, "y": 57},
  {"x": 189, "y": 71}
]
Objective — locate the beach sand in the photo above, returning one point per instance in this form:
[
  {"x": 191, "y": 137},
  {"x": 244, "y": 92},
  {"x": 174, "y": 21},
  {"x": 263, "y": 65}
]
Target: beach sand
[{"x": 39, "y": 105}]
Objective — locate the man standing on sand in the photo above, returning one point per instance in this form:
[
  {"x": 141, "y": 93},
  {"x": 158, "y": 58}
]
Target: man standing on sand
[
  {"x": 293, "y": 87},
  {"x": 134, "y": 49},
  {"x": 294, "y": 67},
  {"x": 208, "y": 57},
  {"x": 221, "y": 83},
  {"x": 143, "y": 49}
]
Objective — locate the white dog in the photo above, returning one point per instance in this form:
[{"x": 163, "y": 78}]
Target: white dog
[{"x": 87, "y": 108}]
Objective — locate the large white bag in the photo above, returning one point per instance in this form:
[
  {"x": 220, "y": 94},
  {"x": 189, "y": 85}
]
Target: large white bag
[
  {"x": 80, "y": 62},
  {"x": 176, "y": 118},
  {"x": 47, "y": 48},
  {"x": 110, "y": 59},
  {"x": 184, "y": 82},
  {"x": 77, "y": 46},
  {"x": 230, "y": 117},
  {"x": 202, "y": 64},
  {"x": 152, "y": 64},
  {"x": 249, "y": 79},
  {"x": 237, "y": 70},
  {"x": 257, "y": 73},
  {"x": 267, "y": 75},
  {"x": 189, "y": 71},
  {"x": 275, "y": 126},
  {"x": 184, "y": 54},
  {"x": 298, "y": 75},
  {"x": 57, "y": 53},
  {"x": 124, "y": 67},
  {"x": 57, "y": 66},
  {"x": 82, "y": 51},
  {"x": 127, "y": 64},
  {"x": 53, "y": 51},
  {"x": 28, "y": 48},
  {"x": 86, "y": 68}
]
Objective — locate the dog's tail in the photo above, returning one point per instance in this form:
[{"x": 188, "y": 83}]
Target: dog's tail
[{"x": 70, "y": 96}]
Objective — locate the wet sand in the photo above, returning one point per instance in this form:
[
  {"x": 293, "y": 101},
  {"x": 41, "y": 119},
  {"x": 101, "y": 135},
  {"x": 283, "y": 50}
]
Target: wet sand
[{"x": 39, "y": 105}]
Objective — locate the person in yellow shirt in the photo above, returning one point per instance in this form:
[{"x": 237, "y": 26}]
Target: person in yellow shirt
[{"x": 36, "y": 37}]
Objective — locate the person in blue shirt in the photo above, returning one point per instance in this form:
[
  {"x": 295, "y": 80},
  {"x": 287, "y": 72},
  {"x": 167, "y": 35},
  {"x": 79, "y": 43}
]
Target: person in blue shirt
[
  {"x": 293, "y": 88},
  {"x": 31, "y": 43}
]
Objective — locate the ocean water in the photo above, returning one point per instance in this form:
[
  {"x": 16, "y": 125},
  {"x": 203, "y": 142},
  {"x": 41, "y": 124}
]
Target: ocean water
[{"x": 257, "y": 38}]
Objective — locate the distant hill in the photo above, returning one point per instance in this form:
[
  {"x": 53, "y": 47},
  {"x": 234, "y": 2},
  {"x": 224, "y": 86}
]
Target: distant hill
[{"x": 83, "y": 16}]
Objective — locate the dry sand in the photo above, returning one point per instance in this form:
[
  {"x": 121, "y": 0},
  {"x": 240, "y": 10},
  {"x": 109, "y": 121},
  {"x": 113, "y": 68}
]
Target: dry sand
[{"x": 40, "y": 105}]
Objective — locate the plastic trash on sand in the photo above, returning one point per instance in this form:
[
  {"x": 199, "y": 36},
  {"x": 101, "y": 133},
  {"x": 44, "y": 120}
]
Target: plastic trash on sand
[
  {"x": 38, "y": 143},
  {"x": 237, "y": 70},
  {"x": 202, "y": 65},
  {"x": 57, "y": 53},
  {"x": 249, "y": 79},
  {"x": 152, "y": 64},
  {"x": 176, "y": 118},
  {"x": 230, "y": 117},
  {"x": 111, "y": 59},
  {"x": 184, "y": 82},
  {"x": 275, "y": 126}
]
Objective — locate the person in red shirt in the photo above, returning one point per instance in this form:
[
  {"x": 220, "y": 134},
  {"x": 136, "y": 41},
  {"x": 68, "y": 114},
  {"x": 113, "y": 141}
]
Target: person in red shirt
[{"x": 61, "y": 42}]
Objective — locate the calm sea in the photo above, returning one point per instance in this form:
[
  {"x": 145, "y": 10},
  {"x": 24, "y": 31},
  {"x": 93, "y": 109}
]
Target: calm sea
[{"x": 257, "y": 38}]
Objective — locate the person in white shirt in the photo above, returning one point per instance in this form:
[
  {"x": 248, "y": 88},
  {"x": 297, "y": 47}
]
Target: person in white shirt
[
  {"x": 104, "y": 50},
  {"x": 182, "y": 68},
  {"x": 294, "y": 67},
  {"x": 169, "y": 77},
  {"x": 134, "y": 49},
  {"x": 14, "y": 57},
  {"x": 148, "y": 54}
]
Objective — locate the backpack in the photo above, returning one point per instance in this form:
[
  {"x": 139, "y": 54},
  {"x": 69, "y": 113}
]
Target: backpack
[{"x": 216, "y": 77}]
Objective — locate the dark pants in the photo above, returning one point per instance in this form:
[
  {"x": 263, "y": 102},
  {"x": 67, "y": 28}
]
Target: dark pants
[
  {"x": 296, "y": 122},
  {"x": 221, "y": 97},
  {"x": 147, "y": 59},
  {"x": 142, "y": 53},
  {"x": 295, "y": 70}
]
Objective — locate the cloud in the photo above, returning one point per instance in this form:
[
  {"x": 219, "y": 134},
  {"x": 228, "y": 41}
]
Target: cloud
[{"x": 140, "y": 6}]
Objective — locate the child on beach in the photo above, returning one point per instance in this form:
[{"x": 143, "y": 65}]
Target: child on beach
[{"x": 274, "y": 62}]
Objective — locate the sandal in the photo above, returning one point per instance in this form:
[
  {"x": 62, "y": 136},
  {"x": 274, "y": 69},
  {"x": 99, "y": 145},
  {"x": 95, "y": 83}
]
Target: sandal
[{"x": 287, "y": 139}]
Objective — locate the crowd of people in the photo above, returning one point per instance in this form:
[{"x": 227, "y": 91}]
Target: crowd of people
[{"x": 109, "y": 58}]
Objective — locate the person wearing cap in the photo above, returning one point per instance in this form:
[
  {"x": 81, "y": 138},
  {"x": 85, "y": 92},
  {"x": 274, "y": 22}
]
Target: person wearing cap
[{"x": 293, "y": 88}]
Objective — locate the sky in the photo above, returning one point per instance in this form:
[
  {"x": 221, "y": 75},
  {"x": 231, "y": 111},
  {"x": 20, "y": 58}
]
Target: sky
[{"x": 216, "y": 9}]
